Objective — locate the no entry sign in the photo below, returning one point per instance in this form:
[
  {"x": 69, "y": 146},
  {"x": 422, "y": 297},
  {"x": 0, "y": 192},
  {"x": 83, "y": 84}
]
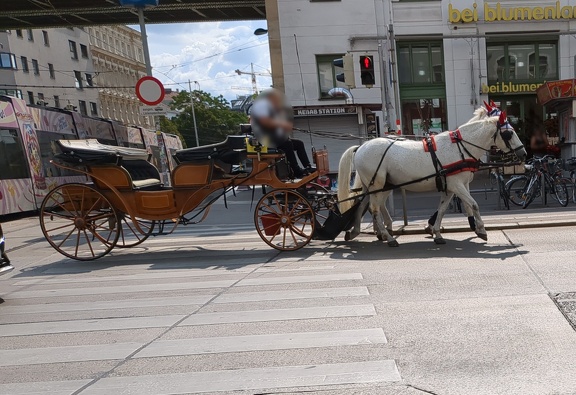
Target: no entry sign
[{"x": 150, "y": 91}]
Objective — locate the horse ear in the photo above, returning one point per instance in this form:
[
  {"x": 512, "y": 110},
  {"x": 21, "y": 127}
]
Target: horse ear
[
  {"x": 493, "y": 104},
  {"x": 503, "y": 117},
  {"x": 487, "y": 106}
]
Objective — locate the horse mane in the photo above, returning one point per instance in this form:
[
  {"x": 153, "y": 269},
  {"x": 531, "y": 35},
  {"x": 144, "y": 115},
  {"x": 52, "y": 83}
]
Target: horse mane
[{"x": 480, "y": 113}]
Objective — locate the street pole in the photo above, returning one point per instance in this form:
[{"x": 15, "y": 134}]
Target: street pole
[
  {"x": 193, "y": 113},
  {"x": 148, "y": 63}
]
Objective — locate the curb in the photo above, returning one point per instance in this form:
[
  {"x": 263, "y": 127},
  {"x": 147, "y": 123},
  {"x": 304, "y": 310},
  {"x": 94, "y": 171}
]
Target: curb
[{"x": 403, "y": 231}]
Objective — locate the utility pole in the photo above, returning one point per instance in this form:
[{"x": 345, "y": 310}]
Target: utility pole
[{"x": 193, "y": 112}]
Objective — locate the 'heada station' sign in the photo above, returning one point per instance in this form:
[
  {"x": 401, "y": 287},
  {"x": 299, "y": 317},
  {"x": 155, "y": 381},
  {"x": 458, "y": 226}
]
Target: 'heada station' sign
[{"x": 495, "y": 12}]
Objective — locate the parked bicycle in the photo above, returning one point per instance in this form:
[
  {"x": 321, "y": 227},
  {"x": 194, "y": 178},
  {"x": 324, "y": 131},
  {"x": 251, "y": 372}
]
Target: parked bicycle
[
  {"x": 523, "y": 190},
  {"x": 569, "y": 165},
  {"x": 497, "y": 178}
]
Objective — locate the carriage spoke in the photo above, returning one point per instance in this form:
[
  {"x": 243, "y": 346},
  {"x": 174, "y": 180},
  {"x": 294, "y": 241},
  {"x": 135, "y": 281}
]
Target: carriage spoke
[
  {"x": 60, "y": 227},
  {"x": 293, "y": 237},
  {"x": 284, "y": 237},
  {"x": 77, "y": 243},
  {"x": 89, "y": 244},
  {"x": 94, "y": 205},
  {"x": 66, "y": 238},
  {"x": 272, "y": 210},
  {"x": 71, "y": 201}
]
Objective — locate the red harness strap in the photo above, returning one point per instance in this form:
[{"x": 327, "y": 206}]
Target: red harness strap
[
  {"x": 469, "y": 164},
  {"x": 455, "y": 136}
]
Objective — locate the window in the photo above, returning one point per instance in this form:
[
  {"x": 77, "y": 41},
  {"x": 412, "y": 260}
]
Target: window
[
  {"x": 30, "y": 35},
  {"x": 40, "y": 98},
  {"x": 24, "y": 61},
  {"x": 97, "y": 41},
  {"x": 327, "y": 74},
  {"x": 19, "y": 33},
  {"x": 8, "y": 61},
  {"x": 93, "y": 109},
  {"x": 51, "y": 71},
  {"x": 522, "y": 61},
  {"x": 89, "y": 80},
  {"x": 45, "y": 37},
  {"x": 83, "y": 109},
  {"x": 47, "y": 152},
  {"x": 11, "y": 92},
  {"x": 73, "y": 49},
  {"x": 30, "y": 97},
  {"x": 56, "y": 101},
  {"x": 140, "y": 55},
  {"x": 12, "y": 157},
  {"x": 35, "y": 67},
  {"x": 84, "y": 51},
  {"x": 78, "y": 80},
  {"x": 420, "y": 63}
]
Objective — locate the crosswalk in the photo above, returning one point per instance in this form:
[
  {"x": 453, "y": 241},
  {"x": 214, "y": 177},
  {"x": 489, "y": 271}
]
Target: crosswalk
[{"x": 131, "y": 330}]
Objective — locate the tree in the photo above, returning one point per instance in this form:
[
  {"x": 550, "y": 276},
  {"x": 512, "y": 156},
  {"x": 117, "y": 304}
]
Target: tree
[
  {"x": 214, "y": 118},
  {"x": 168, "y": 126}
]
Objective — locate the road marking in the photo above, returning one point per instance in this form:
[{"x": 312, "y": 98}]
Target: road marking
[
  {"x": 249, "y": 379},
  {"x": 299, "y": 279},
  {"x": 304, "y": 313},
  {"x": 165, "y": 274},
  {"x": 243, "y": 297},
  {"x": 38, "y": 328},
  {"x": 100, "y": 352},
  {"x": 51, "y": 293},
  {"x": 43, "y": 388},
  {"x": 277, "y": 341},
  {"x": 107, "y": 305}
]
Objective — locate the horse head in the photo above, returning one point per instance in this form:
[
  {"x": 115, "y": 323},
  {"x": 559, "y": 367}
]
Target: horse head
[{"x": 505, "y": 137}]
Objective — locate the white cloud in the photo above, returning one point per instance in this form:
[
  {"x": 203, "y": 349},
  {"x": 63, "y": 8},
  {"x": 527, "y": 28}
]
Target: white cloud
[{"x": 209, "y": 53}]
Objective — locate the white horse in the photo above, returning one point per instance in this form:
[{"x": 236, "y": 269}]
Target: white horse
[{"x": 389, "y": 163}]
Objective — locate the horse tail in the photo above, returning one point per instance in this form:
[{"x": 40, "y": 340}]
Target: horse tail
[{"x": 344, "y": 174}]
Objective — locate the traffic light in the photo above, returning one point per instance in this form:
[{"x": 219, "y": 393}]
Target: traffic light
[
  {"x": 367, "y": 71},
  {"x": 347, "y": 63}
]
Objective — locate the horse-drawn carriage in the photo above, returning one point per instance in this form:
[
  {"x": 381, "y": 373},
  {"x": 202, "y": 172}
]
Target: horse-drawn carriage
[{"x": 125, "y": 202}]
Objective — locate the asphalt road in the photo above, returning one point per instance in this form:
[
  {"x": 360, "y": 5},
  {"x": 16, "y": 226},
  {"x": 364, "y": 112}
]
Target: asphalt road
[{"x": 212, "y": 309}]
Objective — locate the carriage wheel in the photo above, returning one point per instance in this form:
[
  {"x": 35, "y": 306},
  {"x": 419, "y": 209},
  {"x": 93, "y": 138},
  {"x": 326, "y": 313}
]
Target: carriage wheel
[
  {"x": 79, "y": 222},
  {"x": 129, "y": 234},
  {"x": 284, "y": 219}
]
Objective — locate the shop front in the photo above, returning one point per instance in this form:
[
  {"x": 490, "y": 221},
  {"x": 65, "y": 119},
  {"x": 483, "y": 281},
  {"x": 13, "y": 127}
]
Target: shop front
[{"x": 559, "y": 98}]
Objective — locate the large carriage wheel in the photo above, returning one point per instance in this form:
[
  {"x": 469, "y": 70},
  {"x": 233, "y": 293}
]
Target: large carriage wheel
[
  {"x": 79, "y": 222},
  {"x": 129, "y": 234},
  {"x": 284, "y": 219}
]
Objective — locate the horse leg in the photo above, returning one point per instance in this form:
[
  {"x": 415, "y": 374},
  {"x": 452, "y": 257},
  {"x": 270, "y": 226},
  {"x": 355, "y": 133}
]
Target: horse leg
[
  {"x": 463, "y": 193},
  {"x": 386, "y": 216},
  {"x": 444, "y": 203},
  {"x": 375, "y": 204},
  {"x": 434, "y": 218},
  {"x": 355, "y": 231}
]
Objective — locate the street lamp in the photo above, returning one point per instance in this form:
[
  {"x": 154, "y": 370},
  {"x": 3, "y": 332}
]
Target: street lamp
[
  {"x": 260, "y": 31},
  {"x": 193, "y": 112}
]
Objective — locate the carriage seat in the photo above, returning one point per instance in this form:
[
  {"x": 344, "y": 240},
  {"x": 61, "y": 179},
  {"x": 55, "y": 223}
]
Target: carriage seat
[
  {"x": 230, "y": 151},
  {"x": 123, "y": 167}
]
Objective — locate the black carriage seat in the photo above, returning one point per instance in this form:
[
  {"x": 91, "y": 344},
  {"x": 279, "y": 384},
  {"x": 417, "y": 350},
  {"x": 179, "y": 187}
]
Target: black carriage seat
[
  {"x": 231, "y": 151},
  {"x": 135, "y": 161}
]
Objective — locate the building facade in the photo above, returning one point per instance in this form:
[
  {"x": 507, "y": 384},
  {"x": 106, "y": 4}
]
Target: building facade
[
  {"x": 49, "y": 67},
  {"x": 435, "y": 61},
  {"x": 119, "y": 63}
]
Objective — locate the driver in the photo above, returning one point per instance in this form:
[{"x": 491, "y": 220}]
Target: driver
[{"x": 270, "y": 118}]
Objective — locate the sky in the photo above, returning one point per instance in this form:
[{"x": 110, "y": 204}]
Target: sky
[{"x": 209, "y": 53}]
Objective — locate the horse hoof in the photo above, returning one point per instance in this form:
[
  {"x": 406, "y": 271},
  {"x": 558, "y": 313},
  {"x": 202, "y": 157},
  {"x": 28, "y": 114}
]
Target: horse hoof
[
  {"x": 439, "y": 240},
  {"x": 393, "y": 243},
  {"x": 483, "y": 236},
  {"x": 428, "y": 229}
]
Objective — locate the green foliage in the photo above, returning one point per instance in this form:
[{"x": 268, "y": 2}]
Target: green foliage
[{"x": 214, "y": 118}]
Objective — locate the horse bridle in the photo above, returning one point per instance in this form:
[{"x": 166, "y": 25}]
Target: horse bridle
[{"x": 503, "y": 127}]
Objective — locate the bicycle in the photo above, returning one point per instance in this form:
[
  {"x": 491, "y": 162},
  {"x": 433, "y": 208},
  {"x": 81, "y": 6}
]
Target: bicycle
[
  {"x": 569, "y": 165},
  {"x": 522, "y": 190},
  {"x": 497, "y": 178}
]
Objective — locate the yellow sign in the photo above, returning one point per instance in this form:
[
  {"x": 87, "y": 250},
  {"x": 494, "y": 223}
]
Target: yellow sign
[
  {"x": 509, "y": 87},
  {"x": 498, "y": 13}
]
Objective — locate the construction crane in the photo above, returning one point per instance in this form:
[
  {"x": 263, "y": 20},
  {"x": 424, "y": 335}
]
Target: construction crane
[{"x": 253, "y": 76}]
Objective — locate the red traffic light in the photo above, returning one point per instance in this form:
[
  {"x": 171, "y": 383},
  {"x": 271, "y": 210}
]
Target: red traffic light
[{"x": 367, "y": 63}]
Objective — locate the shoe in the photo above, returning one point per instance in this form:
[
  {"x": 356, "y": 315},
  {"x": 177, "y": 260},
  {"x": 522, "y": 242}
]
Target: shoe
[
  {"x": 310, "y": 169},
  {"x": 299, "y": 172}
]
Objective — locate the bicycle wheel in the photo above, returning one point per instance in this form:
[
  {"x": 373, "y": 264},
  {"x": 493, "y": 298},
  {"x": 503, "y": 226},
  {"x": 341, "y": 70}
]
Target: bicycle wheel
[
  {"x": 573, "y": 185},
  {"x": 516, "y": 190},
  {"x": 560, "y": 191}
]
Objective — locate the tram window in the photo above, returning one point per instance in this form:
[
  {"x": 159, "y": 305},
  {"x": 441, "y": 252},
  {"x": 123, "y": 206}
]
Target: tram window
[
  {"x": 47, "y": 152},
  {"x": 13, "y": 163},
  {"x": 156, "y": 157}
]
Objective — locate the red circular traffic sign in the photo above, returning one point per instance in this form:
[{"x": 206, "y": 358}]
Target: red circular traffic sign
[{"x": 150, "y": 90}]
